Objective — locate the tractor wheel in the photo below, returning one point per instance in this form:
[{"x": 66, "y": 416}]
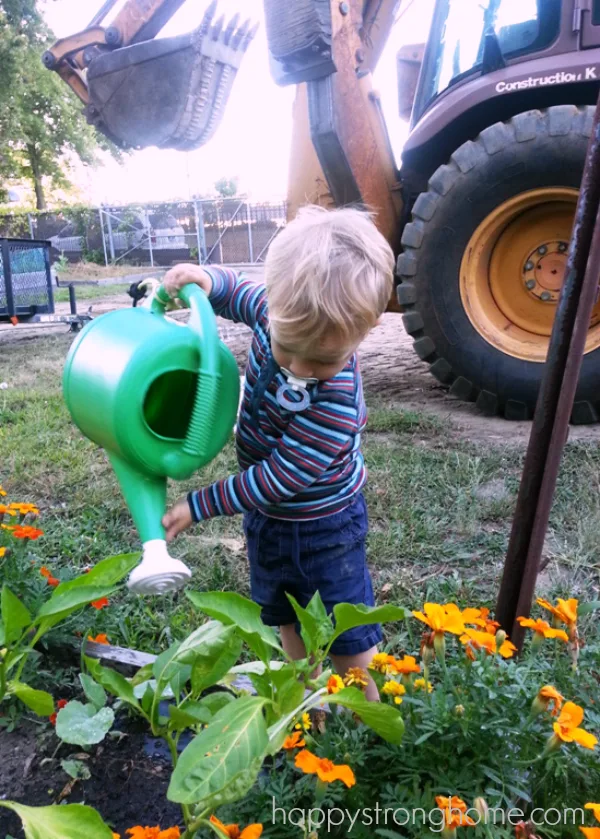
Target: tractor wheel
[{"x": 484, "y": 260}]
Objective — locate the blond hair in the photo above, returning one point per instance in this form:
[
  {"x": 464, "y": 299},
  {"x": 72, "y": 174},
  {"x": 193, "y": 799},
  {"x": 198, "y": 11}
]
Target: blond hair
[{"x": 327, "y": 271}]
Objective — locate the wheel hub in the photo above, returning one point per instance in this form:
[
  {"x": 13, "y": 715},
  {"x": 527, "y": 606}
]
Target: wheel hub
[{"x": 544, "y": 271}]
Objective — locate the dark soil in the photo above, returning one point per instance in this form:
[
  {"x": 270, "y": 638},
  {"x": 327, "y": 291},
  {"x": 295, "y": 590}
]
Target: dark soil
[{"x": 128, "y": 784}]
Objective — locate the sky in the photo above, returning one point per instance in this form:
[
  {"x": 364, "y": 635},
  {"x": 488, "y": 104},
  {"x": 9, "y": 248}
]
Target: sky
[{"x": 254, "y": 137}]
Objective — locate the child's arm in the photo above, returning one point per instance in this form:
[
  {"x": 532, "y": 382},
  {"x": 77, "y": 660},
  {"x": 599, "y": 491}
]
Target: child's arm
[
  {"x": 232, "y": 296},
  {"x": 313, "y": 440}
]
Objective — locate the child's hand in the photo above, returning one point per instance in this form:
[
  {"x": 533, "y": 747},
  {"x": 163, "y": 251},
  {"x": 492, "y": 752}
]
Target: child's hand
[
  {"x": 181, "y": 275},
  {"x": 177, "y": 519}
]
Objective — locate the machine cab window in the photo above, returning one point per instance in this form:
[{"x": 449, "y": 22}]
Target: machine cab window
[{"x": 458, "y": 37}]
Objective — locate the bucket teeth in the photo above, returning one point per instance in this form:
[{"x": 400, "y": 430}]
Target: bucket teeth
[
  {"x": 215, "y": 32},
  {"x": 230, "y": 29}
]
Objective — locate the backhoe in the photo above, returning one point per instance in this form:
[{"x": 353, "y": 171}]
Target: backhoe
[{"x": 480, "y": 213}]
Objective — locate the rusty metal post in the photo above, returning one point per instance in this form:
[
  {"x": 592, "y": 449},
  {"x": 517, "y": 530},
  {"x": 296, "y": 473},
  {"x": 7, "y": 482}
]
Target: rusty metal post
[{"x": 555, "y": 401}]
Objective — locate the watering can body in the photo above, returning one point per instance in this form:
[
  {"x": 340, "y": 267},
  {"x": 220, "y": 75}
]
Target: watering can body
[{"x": 159, "y": 397}]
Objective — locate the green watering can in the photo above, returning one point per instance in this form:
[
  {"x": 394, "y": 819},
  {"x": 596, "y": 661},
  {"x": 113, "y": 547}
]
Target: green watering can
[{"x": 161, "y": 398}]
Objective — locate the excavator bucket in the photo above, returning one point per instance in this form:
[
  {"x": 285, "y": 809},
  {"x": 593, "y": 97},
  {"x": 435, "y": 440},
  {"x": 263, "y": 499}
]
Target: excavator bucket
[{"x": 168, "y": 92}]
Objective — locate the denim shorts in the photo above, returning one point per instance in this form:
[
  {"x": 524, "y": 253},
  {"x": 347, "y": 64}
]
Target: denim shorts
[{"x": 327, "y": 555}]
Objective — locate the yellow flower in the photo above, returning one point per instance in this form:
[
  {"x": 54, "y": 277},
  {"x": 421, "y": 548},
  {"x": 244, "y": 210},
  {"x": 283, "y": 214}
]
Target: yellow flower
[
  {"x": 591, "y": 832},
  {"x": 442, "y": 618},
  {"x": 419, "y": 684},
  {"x": 139, "y": 832},
  {"x": 356, "y": 676},
  {"x": 324, "y": 769},
  {"x": 567, "y": 730},
  {"x": 334, "y": 684},
  {"x": 304, "y": 723},
  {"x": 548, "y": 699},
  {"x": 23, "y": 509},
  {"x": 542, "y": 629},
  {"x": 380, "y": 662},
  {"x": 7, "y": 511},
  {"x": 395, "y": 689},
  {"x": 595, "y": 808},
  {"x": 2, "y": 492},
  {"x": 2, "y": 552}
]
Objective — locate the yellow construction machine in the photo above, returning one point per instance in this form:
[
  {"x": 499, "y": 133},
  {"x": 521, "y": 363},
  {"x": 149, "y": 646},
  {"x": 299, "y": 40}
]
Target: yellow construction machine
[{"x": 480, "y": 213}]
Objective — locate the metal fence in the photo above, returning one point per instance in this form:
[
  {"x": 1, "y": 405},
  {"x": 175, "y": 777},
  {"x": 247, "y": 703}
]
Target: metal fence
[{"x": 230, "y": 231}]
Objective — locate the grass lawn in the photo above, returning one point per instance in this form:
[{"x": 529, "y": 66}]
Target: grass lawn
[
  {"x": 440, "y": 507},
  {"x": 90, "y": 292},
  {"x": 91, "y": 271}
]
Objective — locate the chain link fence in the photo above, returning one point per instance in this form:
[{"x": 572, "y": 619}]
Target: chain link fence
[{"x": 230, "y": 231}]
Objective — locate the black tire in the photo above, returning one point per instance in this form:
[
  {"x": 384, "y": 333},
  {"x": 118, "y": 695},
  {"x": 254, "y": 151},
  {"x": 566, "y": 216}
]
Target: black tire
[{"x": 533, "y": 150}]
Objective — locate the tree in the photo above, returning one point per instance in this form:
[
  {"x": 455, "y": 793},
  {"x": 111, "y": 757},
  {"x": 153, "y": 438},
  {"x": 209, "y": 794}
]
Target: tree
[
  {"x": 227, "y": 187},
  {"x": 41, "y": 124}
]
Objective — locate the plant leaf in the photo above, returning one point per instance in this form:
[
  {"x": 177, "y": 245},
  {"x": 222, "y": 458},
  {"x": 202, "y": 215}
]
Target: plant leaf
[
  {"x": 69, "y": 821},
  {"x": 15, "y": 616},
  {"x": 224, "y": 758},
  {"x": 112, "y": 681},
  {"x": 40, "y": 702},
  {"x": 385, "y": 720},
  {"x": 233, "y": 609},
  {"x": 316, "y": 628},
  {"x": 76, "y": 769},
  {"x": 82, "y": 725},
  {"x": 215, "y": 660},
  {"x": 586, "y": 608},
  {"x": 348, "y": 615},
  {"x": 94, "y": 692}
]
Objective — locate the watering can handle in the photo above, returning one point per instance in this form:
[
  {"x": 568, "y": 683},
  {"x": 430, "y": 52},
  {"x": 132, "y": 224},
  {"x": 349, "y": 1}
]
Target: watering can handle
[{"x": 203, "y": 323}]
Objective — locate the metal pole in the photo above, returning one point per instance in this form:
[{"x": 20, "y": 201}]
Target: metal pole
[
  {"x": 111, "y": 243},
  {"x": 30, "y": 220},
  {"x": 103, "y": 235},
  {"x": 555, "y": 401},
  {"x": 200, "y": 235},
  {"x": 221, "y": 234},
  {"x": 149, "y": 239},
  {"x": 250, "y": 243}
]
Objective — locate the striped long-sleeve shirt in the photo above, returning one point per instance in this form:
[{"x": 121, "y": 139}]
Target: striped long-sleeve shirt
[{"x": 301, "y": 465}]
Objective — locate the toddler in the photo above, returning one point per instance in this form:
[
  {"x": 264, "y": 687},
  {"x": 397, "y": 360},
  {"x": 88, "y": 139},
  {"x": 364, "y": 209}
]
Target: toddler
[{"x": 328, "y": 279}]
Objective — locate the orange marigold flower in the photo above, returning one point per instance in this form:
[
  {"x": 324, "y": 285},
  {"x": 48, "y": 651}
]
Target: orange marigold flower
[
  {"x": 567, "y": 728},
  {"x": 2, "y": 492},
  {"x": 139, "y": 832},
  {"x": 52, "y": 581},
  {"x": 454, "y": 809},
  {"x": 441, "y": 619},
  {"x": 591, "y": 832},
  {"x": 483, "y": 620},
  {"x": 99, "y": 604},
  {"x": 232, "y": 831},
  {"x": 23, "y": 509},
  {"x": 116, "y": 836},
  {"x": 59, "y": 705},
  {"x": 486, "y": 641},
  {"x": 99, "y": 639},
  {"x": 548, "y": 699},
  {"x": 6, "y": 510},
  {"x": 595, "y": 808},
  {"x": 25, "y": 531},
  {"x": 542, "y": 629},
  {"x": 324, "y": 769},
  {"x": 564, "y": 611},
  {"x": 404, "y": 666},
  {"x": 356, "y": 676},
  {"x": 294, "y": 742},
  {"x": 334, "y": 684}
]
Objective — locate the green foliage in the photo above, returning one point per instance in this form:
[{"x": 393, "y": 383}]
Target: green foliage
[
  {"x": 40, "y": 118},
  {"x": 71, "y": 821},
  {"x": 83, "y": 725},
  {"x": 227, "y": 187}
]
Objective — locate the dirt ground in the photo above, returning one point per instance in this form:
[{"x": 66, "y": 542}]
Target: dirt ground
[{"x": 390, "y": 369}]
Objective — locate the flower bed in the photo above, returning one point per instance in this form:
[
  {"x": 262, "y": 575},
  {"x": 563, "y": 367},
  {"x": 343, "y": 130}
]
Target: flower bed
[{"x": 464, "y": 729}]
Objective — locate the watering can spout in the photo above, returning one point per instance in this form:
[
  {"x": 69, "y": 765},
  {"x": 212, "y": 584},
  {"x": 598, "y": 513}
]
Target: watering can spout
[{"x": 146, "y": 497}]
